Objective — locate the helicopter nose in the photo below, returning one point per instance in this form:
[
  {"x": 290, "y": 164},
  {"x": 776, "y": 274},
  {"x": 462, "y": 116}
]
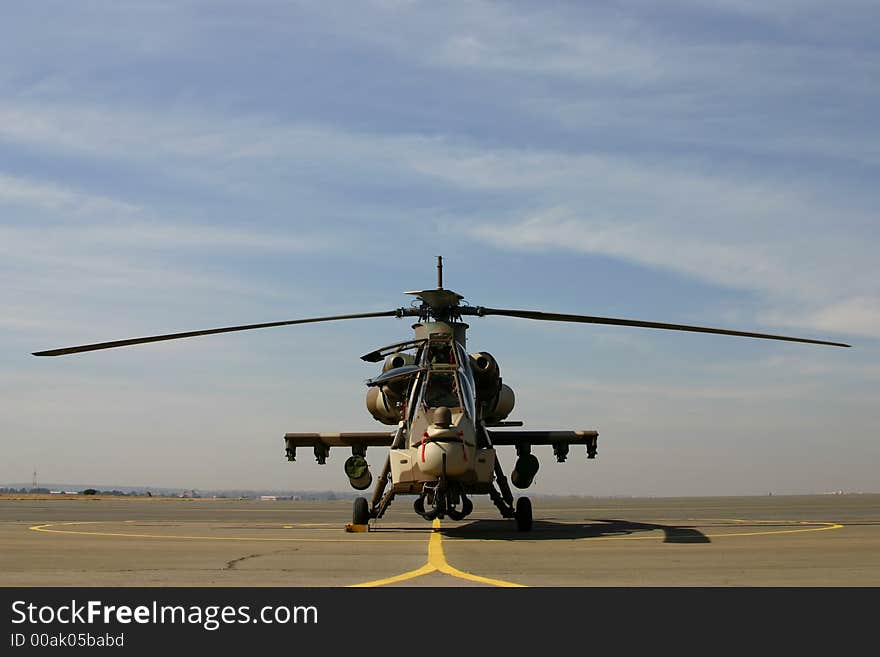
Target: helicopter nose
[
  {"x": 441, "y": 457},
  {"x": 443, "y": 449}
]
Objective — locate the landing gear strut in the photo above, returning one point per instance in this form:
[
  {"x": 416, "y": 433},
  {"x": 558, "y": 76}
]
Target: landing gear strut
[
  {"x": 504, "y": 501},
  {"x": 466, "y": 507},
  {"x": 382, "y": 498}
]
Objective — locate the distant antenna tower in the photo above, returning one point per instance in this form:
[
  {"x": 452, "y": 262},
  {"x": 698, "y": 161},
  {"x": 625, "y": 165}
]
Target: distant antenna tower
[{"x": 34, "y": 482}]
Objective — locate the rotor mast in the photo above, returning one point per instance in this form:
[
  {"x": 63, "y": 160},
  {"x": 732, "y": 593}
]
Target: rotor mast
[{"x": 439, "y": 272}]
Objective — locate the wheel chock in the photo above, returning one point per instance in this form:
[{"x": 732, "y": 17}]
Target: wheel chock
[{"x": 351, "y": 527}]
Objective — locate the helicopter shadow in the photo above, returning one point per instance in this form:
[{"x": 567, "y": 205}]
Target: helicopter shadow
[{"x": 504, "y": 530}]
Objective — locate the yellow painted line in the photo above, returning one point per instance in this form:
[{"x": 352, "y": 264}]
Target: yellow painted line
[
  {"x": 45, "y": 528},
  {"x": 435, "y": 536},
  {"x": 316, "y": 526},
  {"x": 826, "y": 526},
  {"x": 437, "y": 559},
  {"x": 436, "y": 562},
  {"x": 812, "y": 528},
  {"x": 658, "y": 533},
  {"x": 418, "y": 572},
  {"x": 263, "y": 509}
]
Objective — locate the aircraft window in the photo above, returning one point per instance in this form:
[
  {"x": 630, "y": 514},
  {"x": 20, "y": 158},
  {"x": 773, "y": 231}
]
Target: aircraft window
[
  {"x": 441, "y": 354},
  {"x": 419, "y": 353},
  {"x": 441, "y": 391},
  {"x": 411, "y": 401},
  {"x": 467, "y": 391},
  {"x": 463, "y": 360}
]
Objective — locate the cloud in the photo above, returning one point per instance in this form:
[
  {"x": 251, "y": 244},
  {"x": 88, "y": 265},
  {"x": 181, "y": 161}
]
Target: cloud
[
  {"x": 60, "y": 245},
  {"x": 129, "y": 133},
  {"x": 60, "y": 200},
  {"x": 75, "y": 227},
  {"x": 857, "y": 315},
  {"x": 760, "y": 83},
  {"x": 794, "y": 295},
  {"x": 729, "y": 229},
  {"x": 748, "y": 231},
  {"x": 162, "y": 235}
]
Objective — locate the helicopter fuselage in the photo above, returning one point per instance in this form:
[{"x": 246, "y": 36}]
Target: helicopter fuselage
[{"x": 440, "y": 443}]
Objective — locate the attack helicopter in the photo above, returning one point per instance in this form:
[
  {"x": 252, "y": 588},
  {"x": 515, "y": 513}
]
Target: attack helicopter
[{"x": 449, "y": 408}]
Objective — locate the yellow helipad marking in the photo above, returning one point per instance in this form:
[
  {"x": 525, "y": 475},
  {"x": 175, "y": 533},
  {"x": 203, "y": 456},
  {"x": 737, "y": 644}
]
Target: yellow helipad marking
[
  {"x": 437, "y": 562},
  {"x": 658, "y": 534},
  {"x": 436, "y": 557},
  {"x": 434, "y": 545},
  {"x": 45, "y": 528},
  {"x": 812, "y": 528},
  {"x": 418, "y": 572}
]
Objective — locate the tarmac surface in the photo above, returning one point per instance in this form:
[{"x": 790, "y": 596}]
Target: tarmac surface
[{"x": 827, "y": 540}]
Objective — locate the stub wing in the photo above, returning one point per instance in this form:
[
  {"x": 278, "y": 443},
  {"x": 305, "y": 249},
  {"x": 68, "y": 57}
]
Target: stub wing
[
  {"x": 559, "y": 439},
  {"x": 322, "y": 442}
]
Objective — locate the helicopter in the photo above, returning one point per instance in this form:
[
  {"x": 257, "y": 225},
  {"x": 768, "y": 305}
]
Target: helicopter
[{"x": 449, "y": 409}]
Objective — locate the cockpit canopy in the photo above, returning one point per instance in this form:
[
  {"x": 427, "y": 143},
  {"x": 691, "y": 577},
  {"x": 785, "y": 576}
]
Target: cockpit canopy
[
  {"x": 438, "y": 374},
  {"x": 449, "y": 381},
  {"x": 442, "y": 390}
]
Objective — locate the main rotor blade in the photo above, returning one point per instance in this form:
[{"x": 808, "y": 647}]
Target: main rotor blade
[
  {"x": 586, "y": 319},
  {"x": 189, "y": 334}
]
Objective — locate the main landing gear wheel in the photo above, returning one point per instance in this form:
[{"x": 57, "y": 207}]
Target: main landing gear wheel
[
  {"x": 524, "y": 514},
  {"x": 361, "y": 512},
  {"x": 427, "y": 514},
  {"x": 466, "y": 508}
]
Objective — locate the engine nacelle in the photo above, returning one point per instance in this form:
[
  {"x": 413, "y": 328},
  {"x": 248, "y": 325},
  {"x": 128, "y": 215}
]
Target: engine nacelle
[
  {"x": 487, "y": 374},
  {"x": 500, "y": 406},
  {"x": 381, "y": 407},
  {"x": 395, "y": 390},
  {"x": 398, "y": 359}
]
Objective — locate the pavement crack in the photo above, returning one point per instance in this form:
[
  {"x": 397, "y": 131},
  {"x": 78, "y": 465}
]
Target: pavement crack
[{"x": 231, "y": 565}]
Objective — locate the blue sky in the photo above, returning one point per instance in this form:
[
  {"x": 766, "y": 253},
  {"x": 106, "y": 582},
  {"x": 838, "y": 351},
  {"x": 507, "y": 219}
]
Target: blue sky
[{"x": 168, "y": 166}]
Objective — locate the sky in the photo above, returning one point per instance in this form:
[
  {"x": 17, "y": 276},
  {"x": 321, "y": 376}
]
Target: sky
[{"x": 172, "y": 166}]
